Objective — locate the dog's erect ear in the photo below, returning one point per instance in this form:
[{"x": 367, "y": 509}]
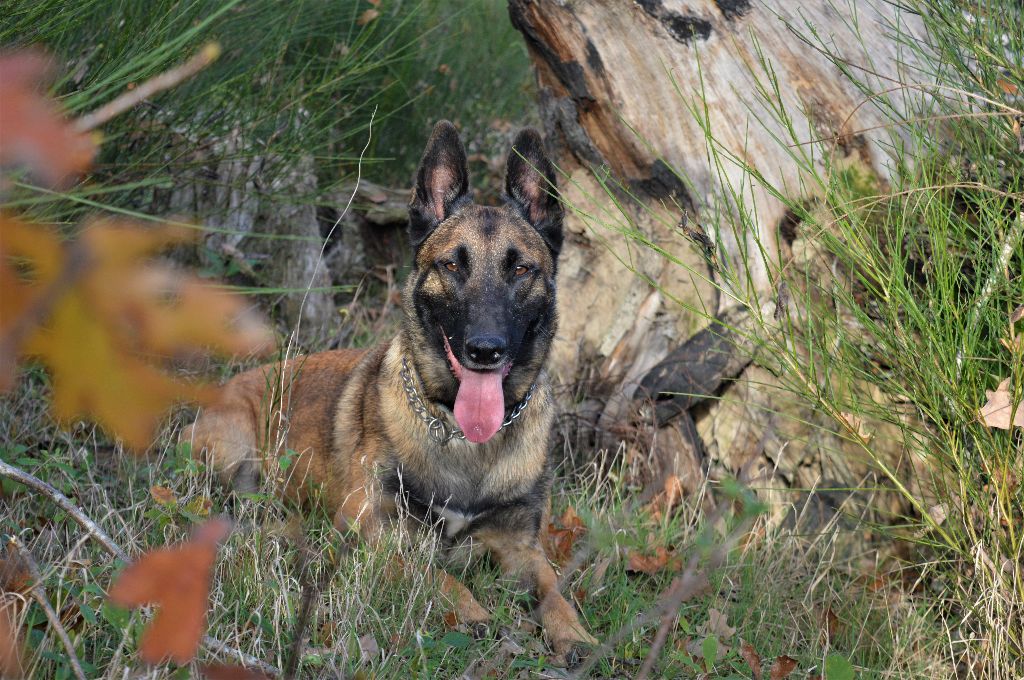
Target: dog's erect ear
[
  {"x": 530, "y": 187},
  {"x": 442, "y": 182}
]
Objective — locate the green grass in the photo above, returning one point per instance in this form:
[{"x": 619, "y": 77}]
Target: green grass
[{"x": 775, "y": 589}]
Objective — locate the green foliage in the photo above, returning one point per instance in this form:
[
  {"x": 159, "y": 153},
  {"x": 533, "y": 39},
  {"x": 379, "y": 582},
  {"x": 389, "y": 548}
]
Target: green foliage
[{"x": 295, "y": 79}]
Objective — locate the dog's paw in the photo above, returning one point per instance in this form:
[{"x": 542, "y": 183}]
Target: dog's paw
[{"x": 570, "y": 653}]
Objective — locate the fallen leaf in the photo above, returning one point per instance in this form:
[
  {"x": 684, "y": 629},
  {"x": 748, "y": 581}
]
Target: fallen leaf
[
  {"x": 560, "y": 539},
  {"x": 367, "y": 16},
  {"x": 753, "y": 659},
  {"x": 856, "y": 423},
  {"x": 718, "y": 626},
  {"x": 669, "y": 497},
  {"x": 651, "y": 564},
  {"x": 177, "y": 580},
  {"x": 33, "y": 130},
  {"x": 227, "y": 671},
  {"x": 997, "y": 410},
  {"x": 163, "y": 495},
  {"x": 782, "y": 667},
  {"x": 1017, "y": 314},
  {"x": 829, "y": 626},
  {"x": 1006, "y": 86},
  {"x": 451, "y": 619},
  {"x": 369, "y": 650}
]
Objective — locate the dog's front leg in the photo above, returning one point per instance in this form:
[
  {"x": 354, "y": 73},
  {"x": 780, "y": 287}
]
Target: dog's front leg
[
  {"x": 363, "y": 511},
  {"x": 520, "y": 555}
]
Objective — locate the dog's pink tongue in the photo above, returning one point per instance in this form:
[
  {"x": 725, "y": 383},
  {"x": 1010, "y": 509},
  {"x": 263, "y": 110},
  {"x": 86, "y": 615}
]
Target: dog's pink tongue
[{"x": 480, "y": 404}]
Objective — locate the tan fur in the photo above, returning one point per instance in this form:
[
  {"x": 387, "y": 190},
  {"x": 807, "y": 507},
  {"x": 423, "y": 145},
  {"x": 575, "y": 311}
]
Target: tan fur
[{"x": 345, "y": 414}]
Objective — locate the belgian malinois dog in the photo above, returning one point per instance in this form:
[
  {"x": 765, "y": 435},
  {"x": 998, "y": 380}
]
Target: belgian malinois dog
[{"x": 451, "y": 419}]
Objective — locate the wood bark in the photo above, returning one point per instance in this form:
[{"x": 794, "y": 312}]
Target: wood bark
[{"x": 633, "y": 91}]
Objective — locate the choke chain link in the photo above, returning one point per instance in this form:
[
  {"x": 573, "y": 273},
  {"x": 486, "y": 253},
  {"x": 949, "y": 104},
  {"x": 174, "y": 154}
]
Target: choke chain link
[{"x": 437, "y": 429}]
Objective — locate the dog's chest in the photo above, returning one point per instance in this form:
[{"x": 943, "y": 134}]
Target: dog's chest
[{"x": 453, "y": 521}]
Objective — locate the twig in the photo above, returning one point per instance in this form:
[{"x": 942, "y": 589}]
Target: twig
[
  {"x": 39, "y": 595},
  {"x": 164, "y": 81},
  {"x": 108, "y": 544},
  {"x": 67, "y": 506}
]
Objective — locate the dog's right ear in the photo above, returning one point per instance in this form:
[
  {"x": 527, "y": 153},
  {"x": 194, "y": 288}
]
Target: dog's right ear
[{"x": 442, "y": 182}]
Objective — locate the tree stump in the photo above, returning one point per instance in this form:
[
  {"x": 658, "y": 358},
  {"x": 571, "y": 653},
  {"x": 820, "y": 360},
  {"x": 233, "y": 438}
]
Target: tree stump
[{"x": 634, "y": 91}]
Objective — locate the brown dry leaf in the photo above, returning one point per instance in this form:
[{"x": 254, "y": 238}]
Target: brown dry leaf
[
  {"x": 666, "y": 499},
  {"x": 177, "y": 580},
  {"x": 367, "y": 16},
  {"x": 162, "y": 495},
  {"x": 1006, "y": 86},
  {"x": 124, "y": 314},
  {"x": 718, "y": 625},
  {"x": 753, "y": 659},
  {"x": 782, "y": 667},
  {"x": 451, "y": 619},
  {"x": 33, "y": 130},
  {"x": 1017, "y": 314},
  {"x": 829, "y": 626},
  {"x": 560, "y": 538},
  {"x": 228, "y": 671},
  {"x": 369, "y": 650},
  {"x": 649, "y": 564},
  {"x": 997, "y": 410},
  {"x": 856, "y": 423}
]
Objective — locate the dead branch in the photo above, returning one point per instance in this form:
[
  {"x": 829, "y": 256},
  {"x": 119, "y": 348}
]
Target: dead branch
[
  {"x": 166, "y": 80},
  {"x": 39, "y": 595},
  {"x": 67, "y": 506},
  {"x": 108, "y": 544}
]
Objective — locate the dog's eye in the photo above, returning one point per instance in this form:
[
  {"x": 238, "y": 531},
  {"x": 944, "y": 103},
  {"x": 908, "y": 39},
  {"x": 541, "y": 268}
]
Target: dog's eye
[
  {"x": 521, "y": 270},
  {"x": 451, "y": 266}
]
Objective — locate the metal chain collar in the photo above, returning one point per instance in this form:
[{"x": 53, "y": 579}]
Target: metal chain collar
[{"x": 437, "y": 429}]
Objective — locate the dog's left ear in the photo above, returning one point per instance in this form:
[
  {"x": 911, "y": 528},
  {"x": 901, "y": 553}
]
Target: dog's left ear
[
  {"x": 442, "y": 182},
  {"x": 530, "y": 187}
]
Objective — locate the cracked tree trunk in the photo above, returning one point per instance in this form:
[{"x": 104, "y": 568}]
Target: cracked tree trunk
[{"x": 633, "y": 91}]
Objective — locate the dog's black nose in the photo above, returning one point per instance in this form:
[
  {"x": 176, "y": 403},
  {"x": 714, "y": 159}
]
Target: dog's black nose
[{"x": 487, "y": 350}]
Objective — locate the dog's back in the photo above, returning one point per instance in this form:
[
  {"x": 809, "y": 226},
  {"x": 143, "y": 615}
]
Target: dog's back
[{"x": 252, "y": 422}]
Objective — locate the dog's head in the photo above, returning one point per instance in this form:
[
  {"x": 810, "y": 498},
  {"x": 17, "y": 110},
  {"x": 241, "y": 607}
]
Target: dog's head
[{"x": 480, "y": 300}]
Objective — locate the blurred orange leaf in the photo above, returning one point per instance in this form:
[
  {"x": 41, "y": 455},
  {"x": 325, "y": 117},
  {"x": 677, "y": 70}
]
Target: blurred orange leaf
[
  {"x": 782, "y": 667},
  {"x": 226, "y": 671},
  {"x": 177, "y": 580},
  {"x": 108, "y": 326},
  {"x": 33, "y": 130}
]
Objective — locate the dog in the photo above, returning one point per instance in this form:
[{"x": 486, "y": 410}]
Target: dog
[{"x": 451, "y": 419}]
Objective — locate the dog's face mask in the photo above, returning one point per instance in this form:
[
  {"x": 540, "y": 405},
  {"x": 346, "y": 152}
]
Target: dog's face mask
[{"x": 484, "y": 277}]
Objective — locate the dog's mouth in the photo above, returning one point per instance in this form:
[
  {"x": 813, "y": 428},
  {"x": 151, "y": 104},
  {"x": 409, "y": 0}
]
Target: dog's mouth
[{"x": 480, "y": 402}]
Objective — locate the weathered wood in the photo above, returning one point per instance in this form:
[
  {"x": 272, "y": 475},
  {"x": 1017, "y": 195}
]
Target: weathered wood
[
  {"x": 634, "y": 91},
  {"x": 633, "y": 88}
]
